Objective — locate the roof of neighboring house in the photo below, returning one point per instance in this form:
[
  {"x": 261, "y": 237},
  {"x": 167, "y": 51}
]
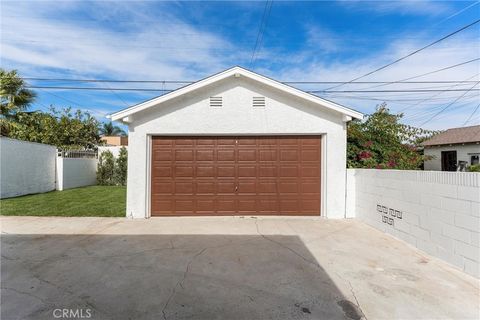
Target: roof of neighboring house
[
  {"x": 455, "y": 136},
  {"x": 122, "y": 115}
]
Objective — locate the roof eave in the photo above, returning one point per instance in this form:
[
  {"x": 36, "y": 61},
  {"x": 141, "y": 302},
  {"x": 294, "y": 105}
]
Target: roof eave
[{"x": 120, "y": 115}]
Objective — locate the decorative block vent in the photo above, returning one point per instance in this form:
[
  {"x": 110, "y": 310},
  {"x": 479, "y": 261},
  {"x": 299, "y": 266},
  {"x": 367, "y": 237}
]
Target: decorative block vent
[
  {"x": 389, "y": 214},
  {"x": 216, "y": 102},
  {"x": 259, "y": 102}
]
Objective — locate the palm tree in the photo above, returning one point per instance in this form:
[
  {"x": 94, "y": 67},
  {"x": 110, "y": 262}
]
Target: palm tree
[
  {"x": 108, "y": 129},
  {"x": 14, "y": 97}
]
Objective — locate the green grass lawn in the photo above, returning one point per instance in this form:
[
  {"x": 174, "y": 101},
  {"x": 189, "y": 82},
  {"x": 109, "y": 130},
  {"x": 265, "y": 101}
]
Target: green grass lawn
[{"x": 93, "y": 201}]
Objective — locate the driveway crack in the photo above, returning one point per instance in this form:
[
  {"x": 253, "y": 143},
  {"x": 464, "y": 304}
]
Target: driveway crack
[
  {"x": 180, "y": 283},
  {"x": 285, "y": 247}
]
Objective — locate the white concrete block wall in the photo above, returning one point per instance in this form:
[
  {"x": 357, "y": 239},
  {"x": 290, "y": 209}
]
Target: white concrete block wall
[
  {"x": 115, "y": 150},
  {"x": 440, "y": 211},
  {"x": 26, "y": 167},
  {"x": 74, "y": 173}
]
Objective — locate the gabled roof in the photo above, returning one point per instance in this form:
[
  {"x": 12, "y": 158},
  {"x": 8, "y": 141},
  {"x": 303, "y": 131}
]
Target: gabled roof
[
  {"x": 235, "y": 72},
  {"x": 455, "y": 136}
]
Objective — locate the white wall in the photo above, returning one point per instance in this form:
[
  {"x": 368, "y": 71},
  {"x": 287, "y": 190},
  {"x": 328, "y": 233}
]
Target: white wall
[
  {"x": 462, "y": 154},
  {"x": 192, "y": 115},
  {"x": 26, "y": 167},
  {"x": 74, "y": 173},
  {"x": 115, "y": 150},
  {"x": 439, "y": 211}
]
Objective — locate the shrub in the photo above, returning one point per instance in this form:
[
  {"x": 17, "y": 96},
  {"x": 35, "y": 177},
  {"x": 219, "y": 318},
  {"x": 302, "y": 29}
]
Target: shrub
[
  {"x": 106, "y": 169},
  {"x": 474, "y": 168},
  {"x": 121, "y": 167}
]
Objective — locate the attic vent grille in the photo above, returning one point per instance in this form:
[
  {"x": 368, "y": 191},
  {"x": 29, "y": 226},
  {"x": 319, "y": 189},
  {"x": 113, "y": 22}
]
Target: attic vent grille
[
  {"x": 259, "y": 102},
  {"x": 216, "y": 102}
]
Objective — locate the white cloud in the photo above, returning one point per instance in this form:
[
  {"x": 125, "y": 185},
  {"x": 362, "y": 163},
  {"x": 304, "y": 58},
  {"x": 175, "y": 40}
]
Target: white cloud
[{"x": 415, "y": 7}]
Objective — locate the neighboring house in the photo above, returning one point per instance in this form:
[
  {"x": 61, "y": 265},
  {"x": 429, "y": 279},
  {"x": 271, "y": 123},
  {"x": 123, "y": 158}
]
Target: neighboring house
[
  {"x": 454, "y": 149},
  {"x": 115, "y": 140},
  {"x": 236, "y": 143}
]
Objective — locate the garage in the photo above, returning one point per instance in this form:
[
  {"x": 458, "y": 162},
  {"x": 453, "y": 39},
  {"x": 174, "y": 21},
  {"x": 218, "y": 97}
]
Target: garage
[
  {"x": 236, "y": 143},
  {"x": 235, "y": 175}
]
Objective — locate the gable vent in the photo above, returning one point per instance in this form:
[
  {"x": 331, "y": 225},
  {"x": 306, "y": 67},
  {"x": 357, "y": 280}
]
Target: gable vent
[
  {"x": 259, "y": 102},
  {"x": 216, "y": 102}
]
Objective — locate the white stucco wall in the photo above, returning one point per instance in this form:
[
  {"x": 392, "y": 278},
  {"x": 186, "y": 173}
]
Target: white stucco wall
[
  {"x": 191, "y": 115},
  {"x": 462, "y": 154},
  {"x": 74, "y": 173},
  {"x": 437, "y": 212},
  {"x": 26, "y": 167}
]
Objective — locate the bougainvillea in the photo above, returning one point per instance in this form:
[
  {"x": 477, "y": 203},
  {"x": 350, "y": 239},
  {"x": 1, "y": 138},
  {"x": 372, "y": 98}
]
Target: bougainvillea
[{"x": 382, "y": 142}]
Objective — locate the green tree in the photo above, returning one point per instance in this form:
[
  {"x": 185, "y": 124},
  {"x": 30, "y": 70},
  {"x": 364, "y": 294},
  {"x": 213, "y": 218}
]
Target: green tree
[
  {"x": 108, "y": 129},
  {"x": 382, "y": 142},
  {"x": 63, "y": 128},
  {"x": 121, "y": 167},
  {"x": 14, "y": 98},
  {"x": 106, "y": 169}
]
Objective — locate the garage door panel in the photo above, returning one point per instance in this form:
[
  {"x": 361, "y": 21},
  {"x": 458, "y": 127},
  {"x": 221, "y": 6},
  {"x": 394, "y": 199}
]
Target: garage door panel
[
  {"x": 247, "y": 204},
  {"x": 267, "y": 170},
  {"x": 312, "y": 186},
  {"x": 289, "y": 155},
  {"x": 226, "y": 204},
  {"x": 183, "y": 171},
  {"x": 310, "y": 155},
  {"x": 204, "y": 155},
  {"x": 206, "y": 187},
  {"x": 247, "y": 171},
  {"x": 310, "y": 171},
  {"x": 225, "y": 171},
  {"x": 225, "y": 186},
  {"x": 271, "y": 175},
  {"x": 226, "y": 155},
  {"x": 267, "y": 155},
  {"x": 163, "y": 155},
  {"x": 205, "y": 171},
  {"x": 288, "y": 186},
  {"x": 247, "y": 155},
  {"x": 184, "y": 188},
  {"x": 162, "y": 171},
  {"x": 267, "y": 186},
  {"x": 247, "y": 186},
  {"x": 162, "y": 187},
  {"x": 288, "y": 171}
]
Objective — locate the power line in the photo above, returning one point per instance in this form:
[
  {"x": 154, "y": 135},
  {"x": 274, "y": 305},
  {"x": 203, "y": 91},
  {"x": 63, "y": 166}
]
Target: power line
[
  {"x": 190, "y": 81},
  {"x": 447, "y": 106},
  {"x": 261, "y": 31},
  {"x": 423, "y": 74},
  {"x": 409, "y": 55},
  {"x": 311, "y": 91},
  {"x": 437, "y": 94},
  {"x": 471, "y": 115}
]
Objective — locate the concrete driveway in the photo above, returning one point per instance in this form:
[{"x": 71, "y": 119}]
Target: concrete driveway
[{"x": 222, "y": 268}]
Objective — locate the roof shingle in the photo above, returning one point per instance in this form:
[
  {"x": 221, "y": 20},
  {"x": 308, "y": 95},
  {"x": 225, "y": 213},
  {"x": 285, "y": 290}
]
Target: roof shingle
[{"x": 455, "y": 135}]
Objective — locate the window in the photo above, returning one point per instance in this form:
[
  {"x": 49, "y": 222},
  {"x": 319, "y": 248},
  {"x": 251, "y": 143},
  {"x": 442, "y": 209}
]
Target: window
[
  {"x": 216, "y": 102},
  {"x": 474, "y": 159}
]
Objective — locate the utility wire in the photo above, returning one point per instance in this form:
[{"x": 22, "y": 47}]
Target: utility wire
[
  {"x": 261, "y": 31},
  {"x": 285, "y": 82},
  {"x": 423, "y": 74},
  {"x": 447, "y": 106},
  {"x": 437, "y": 94},
  {"x": 471, "y": 115},
  {"x": 310, "y": 91},
  {"x": 409, "y": 55}
]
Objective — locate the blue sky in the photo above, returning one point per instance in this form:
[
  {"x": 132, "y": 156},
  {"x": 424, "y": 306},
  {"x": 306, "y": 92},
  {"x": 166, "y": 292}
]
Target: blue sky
[{"x": 303, "y": 41}]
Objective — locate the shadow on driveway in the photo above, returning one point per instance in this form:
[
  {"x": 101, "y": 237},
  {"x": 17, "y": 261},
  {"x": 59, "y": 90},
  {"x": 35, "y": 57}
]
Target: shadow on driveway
[{"x": 166, "y": 277}]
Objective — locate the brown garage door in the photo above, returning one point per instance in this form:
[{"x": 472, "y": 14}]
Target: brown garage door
[{"x": 265, "y": 175}]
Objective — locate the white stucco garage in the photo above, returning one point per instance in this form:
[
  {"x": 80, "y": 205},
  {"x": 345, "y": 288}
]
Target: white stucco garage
[{"x": 236, "y": 143}]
